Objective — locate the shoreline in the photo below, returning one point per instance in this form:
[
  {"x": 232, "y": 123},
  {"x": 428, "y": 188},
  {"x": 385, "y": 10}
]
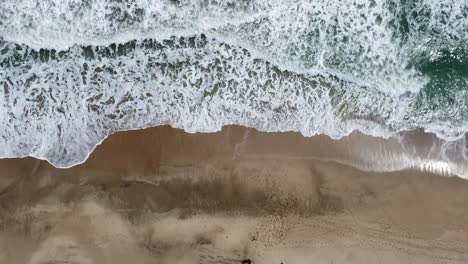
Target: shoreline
[
  {"x": 412, "y": 150},
  {"x": 168, "y": 196},
  {"x": 162, "y": 195}
]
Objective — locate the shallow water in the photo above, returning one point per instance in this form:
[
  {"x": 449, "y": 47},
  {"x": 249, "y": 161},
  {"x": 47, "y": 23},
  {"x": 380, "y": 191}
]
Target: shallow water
[{"x": 75, "y": 71}]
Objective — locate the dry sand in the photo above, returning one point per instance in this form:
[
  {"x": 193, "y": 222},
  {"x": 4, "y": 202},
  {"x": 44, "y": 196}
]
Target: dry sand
[{"x": 161, "y": 195}]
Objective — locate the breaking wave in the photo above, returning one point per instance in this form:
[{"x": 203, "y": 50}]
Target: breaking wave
[{"x": 74, "y": 71}]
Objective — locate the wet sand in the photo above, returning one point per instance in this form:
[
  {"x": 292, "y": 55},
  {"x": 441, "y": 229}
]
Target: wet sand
[{"x": 161, "y": 195}]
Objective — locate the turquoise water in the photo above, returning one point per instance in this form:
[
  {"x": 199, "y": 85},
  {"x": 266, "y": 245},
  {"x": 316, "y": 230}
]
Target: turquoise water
[{"x": 75, "y": 71}]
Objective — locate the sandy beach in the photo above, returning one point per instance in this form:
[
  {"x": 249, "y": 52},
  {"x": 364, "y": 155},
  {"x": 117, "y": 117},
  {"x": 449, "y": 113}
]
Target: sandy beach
[
  {"x": 161, "y": 195},
  {"x": 233, "y": 132}
]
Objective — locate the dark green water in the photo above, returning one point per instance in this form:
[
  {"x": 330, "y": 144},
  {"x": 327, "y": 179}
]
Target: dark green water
[{"x": 73, "y": 72}]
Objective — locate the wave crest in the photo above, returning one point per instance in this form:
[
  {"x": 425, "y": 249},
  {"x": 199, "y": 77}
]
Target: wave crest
[{"x": 91, "y": 68}]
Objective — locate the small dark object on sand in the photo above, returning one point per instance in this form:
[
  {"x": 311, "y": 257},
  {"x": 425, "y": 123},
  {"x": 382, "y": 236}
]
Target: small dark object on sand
[{"x": 246, "y": 261}]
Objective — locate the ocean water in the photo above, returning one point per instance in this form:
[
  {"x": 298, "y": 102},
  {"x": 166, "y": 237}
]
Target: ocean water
[{"x": 74, "y": 71}]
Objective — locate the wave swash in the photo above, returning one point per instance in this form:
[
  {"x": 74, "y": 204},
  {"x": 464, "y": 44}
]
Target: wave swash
[{"x": 74, "y": 71}]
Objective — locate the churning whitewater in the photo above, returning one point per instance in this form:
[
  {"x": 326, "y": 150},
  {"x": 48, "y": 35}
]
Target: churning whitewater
[{"x": 74, "y": 71}]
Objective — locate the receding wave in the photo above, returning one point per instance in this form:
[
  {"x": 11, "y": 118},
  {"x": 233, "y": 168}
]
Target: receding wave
[{"x": 73, "y": 72}]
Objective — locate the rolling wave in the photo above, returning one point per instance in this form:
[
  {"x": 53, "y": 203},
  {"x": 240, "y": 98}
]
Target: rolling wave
[{"x": 75, "y": 71}]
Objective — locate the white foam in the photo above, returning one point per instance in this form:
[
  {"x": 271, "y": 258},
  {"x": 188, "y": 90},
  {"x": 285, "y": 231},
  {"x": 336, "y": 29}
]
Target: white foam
[{"x": 326, "y": 67}]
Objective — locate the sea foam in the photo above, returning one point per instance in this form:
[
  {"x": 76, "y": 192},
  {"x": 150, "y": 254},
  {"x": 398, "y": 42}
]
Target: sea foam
[{"x": 74, "y": 71}]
